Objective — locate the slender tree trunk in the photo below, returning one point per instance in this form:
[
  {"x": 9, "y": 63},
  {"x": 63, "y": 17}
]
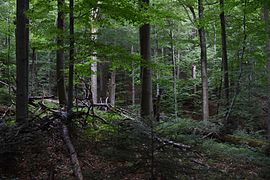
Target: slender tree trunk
[
  {"x": 174, "y": 75},
  {"x": 8, "y": 56},
  {"x": 133, "y": 80},
  {"x": 22, "y": 60},
  {"x": 112, "y": 88},
  {"x": 100, "y": 80},
  {"x": 94, "y": 83},
  {"x": 71, "y": 56},
  {"x": 49, "y": 71},
  {"x": 145, "y": 51},
  {"x": 60, "y": 55},
  {"x": 194, "y": 77},
  {"x": 158, "y": 75},
  {"x": 94, "y": 68},
  {"x": 224, "y": 54},
  {"x": 178, "y": 67},
  {"x": 267, "y": 28},
  {"x": 33, "y": 72},
  {"x": 203, "y": 64}
]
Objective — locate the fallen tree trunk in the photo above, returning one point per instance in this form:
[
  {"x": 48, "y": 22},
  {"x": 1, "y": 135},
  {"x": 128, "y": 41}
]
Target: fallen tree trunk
[
  {"x": 73, "y": 155},
  {"x": 238, "y": 140}
]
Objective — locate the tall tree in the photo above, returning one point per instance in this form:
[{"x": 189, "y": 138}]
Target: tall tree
[
  {"x": 174, "y": 73},
  {"x": 112, "y": 88},
  {"x": 71, "y": 56},
  {"x": 224, "y": 53},
  {"x": 204, "y": 75},
  {"x": 60, "y": 54},
  {"x": 133, "y": 80},
  {"x": 267, "y": 28},
  {"x": 146, "y": 74},
  {"x": 94, "y": 65},
  {"x": 22, "y": 51}
]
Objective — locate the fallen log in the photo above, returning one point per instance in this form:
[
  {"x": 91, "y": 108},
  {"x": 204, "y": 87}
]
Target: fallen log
[
  {"x": 62, "y": 116},
  {"x": 40, "y": 97},
  {"x": 238, "y": 140},
  {"x": 73, "y": 155},
  {"x": 172, "y": 143}
]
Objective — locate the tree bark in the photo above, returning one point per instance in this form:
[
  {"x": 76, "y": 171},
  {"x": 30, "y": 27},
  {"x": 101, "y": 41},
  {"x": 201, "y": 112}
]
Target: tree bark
[
  {"x": 203, "y": 63},
  {"x": 8, "y": 43},
  {"x": 133, "y": 80},
  {"x": 267, "y": 28},
  {"x": 224, "y": 54},
  {"x": 174, "y": 71},
  {"x": 112, "y": 88},
  {"x": 60, "y": 55},
  {"x": 73, "y": 155},
  {"x": 146, "y": 78},
  {"x": 71, "y": 56},
  {"x": 94, "y": 79},
  {"x": 22, "y": 60},
  {"x": 194, "y": 77},
  {"x": 33, "y": 72}
]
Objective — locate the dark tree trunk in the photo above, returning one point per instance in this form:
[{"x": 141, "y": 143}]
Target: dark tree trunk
[
  {"x": 33, "y": 72},
  {"x": 22, "y": 52},
  {"x": 146, "y": 78},
  {"x": 224, "y": 54},
  {"x": 71, "y": 56},
  {"x": 203, "y": 63},
  {"x": 60, "y": 55},
  {"x": 112, "y": 88},
  {"x": 267, "y": 26},
  {"x": 133, "y": 80}
]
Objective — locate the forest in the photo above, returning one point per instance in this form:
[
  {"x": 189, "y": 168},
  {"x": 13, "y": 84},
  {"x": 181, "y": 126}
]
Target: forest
[{"x": 134, "y": 89}]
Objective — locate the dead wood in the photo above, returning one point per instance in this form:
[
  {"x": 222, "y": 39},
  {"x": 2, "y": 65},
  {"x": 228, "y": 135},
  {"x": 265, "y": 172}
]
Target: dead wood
[
  {"x": 40, "y": 97},
  {"x": 72, "y": 153}
]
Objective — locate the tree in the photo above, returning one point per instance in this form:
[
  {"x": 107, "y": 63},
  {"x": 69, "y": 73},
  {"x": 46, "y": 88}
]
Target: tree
[
  {"x": 146, "y": 74},
  {"x": 267, "y": 28},
  {"x": 174, "y": 73},
  {"x": 112, "y": 88},
  {"x": 71, "y": 56},
  {"x": 94, "y": 65},
  {"x": 22, "y": 51},
  {"x": 60, "y": 54},
  {"x": 204, "y": 75},
  {"x": 224, "y": 54}
]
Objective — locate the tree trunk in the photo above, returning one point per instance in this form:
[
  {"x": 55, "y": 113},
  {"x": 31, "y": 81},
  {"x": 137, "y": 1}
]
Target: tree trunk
[
  {"x": 33, "y": 72},
  {"x": 60, "y": 55},
  {"x": 112, "y": 88},
  {"x": 8, "y": 56},
  {"x": 94, "y": 80},
  {"x": 146, "y": 78},
  {"x": 73, "y": 155},
  {"x": 194, "y": 77},
  {"x": 203, "y": 63},
  {"x": 133, "y": 80},
  {"x": 94, "y": 83},
  {"x": 267, "y": 28},
  {"x": 174, "y": 71},
  {"x": 224, "y": 54},
  {"x": 71, "y": 56},
  {"x": 22, "y": 52}
]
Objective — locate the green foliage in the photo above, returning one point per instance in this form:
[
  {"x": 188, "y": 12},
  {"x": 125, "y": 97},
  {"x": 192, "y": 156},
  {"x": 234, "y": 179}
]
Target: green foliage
[{"x": 5, "y": 97}]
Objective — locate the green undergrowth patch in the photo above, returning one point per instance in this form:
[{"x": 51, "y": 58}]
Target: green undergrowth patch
[
  {"x": 187, "y": 126},
  {"x": 128, "y": 145},
  {"x": 197, "y": 134},
  {"x": 98, "y": 130}
]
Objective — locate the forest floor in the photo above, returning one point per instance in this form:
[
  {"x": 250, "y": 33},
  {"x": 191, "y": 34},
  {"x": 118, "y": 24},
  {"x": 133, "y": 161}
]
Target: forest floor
[{"x": 125, "y": 151}]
